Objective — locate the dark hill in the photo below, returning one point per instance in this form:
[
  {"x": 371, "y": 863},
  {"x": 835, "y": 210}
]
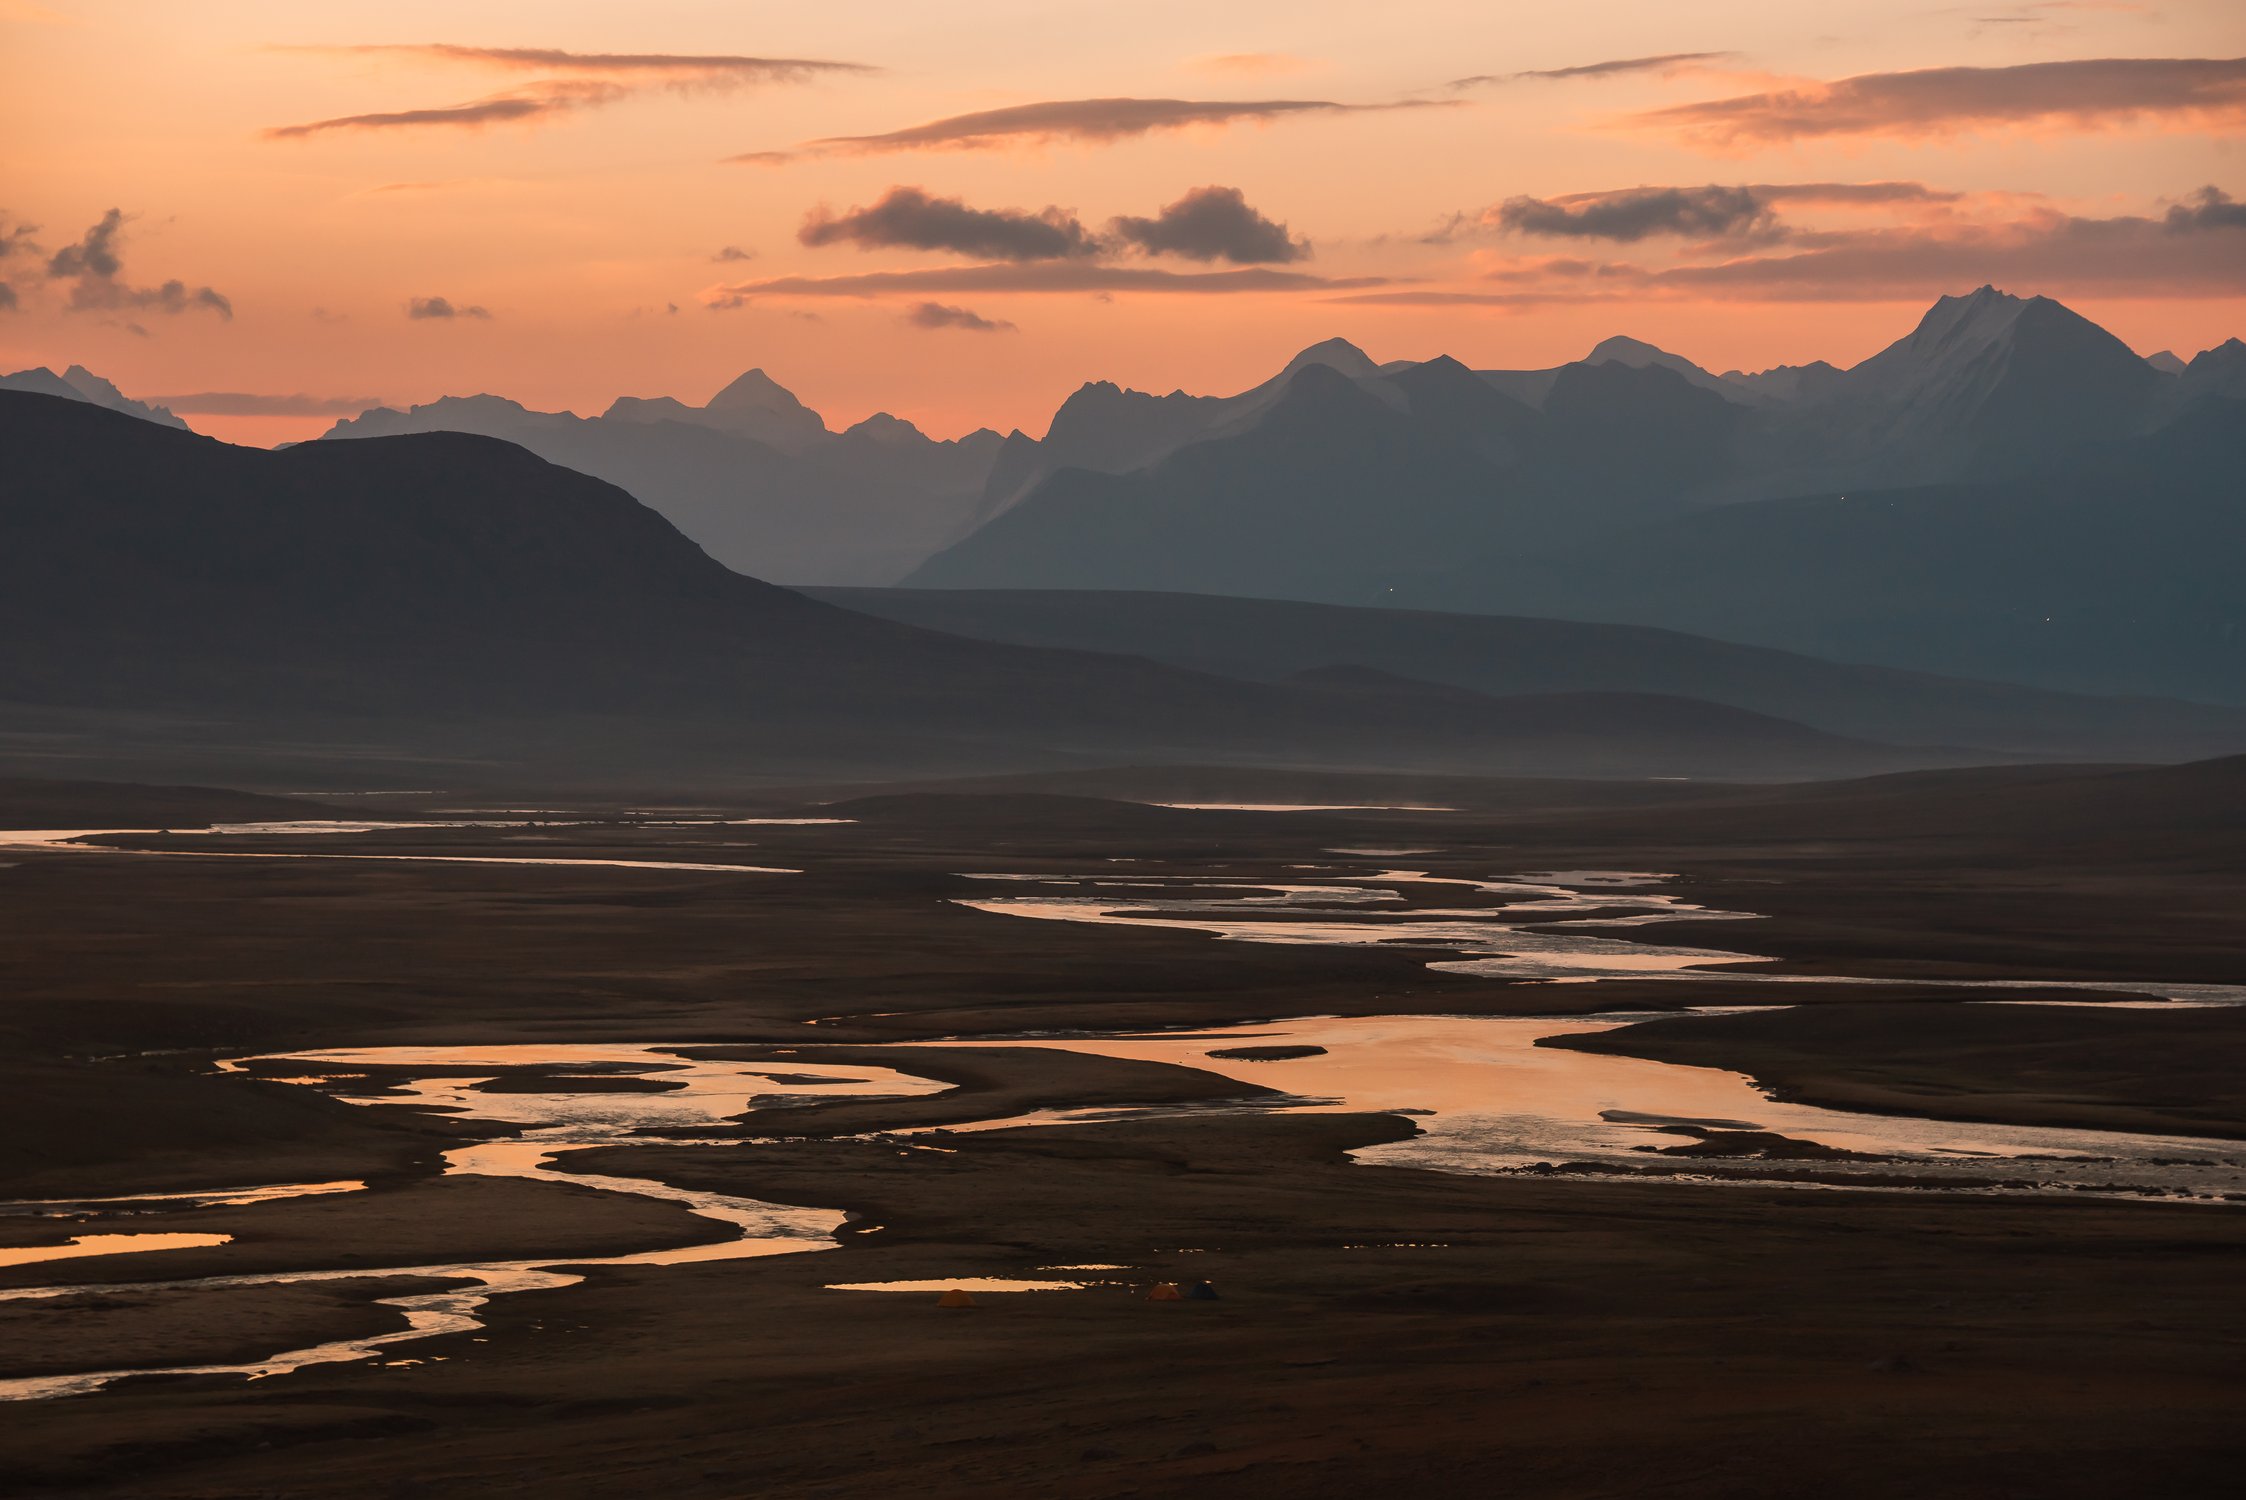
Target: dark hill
[{"x": 1505, "y": 656}]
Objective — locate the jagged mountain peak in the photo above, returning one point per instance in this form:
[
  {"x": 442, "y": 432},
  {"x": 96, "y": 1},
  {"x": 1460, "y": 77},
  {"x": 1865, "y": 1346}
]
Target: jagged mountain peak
[
  {"x": 753, "y": 390},
  {"x": 887, "y": 430}
]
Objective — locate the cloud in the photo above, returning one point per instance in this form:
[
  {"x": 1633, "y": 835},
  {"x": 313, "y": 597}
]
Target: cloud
[
  {"x": 906, "y": 217},
  {"x": 1632, "y": 214},
  {"x": 1250, "y": 64},
  {"x": 2087, "y": 93},
  {"x": 96, "y": 273},
  {"x": 1097, "y": 121},
  {"x": 441, "y": 307},
  {"x": 1665, "y": 63},
  {"x": 15, "y": 239},
  {"x": 702, "y": 68},
  {"x": 734, "y": 252},
  {"x": 1745, "y": 212},
  {"x": 1213, "y": 223},
  {"x": 539, "y": 101},
  {"x": 244, "y": 404},
  {"x": 1047, "y": 276},
  {"x": 934, "y": 315},
  {"x": 8, "y": 297},
  {"x": 2058, "y": 253},
  {"x": 2209, "y": 208}
]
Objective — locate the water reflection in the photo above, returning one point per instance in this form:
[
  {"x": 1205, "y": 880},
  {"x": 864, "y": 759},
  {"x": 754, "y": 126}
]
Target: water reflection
[
  {"x": 1488, "y": 1099},
  {"x": 552, "y": 1123}
]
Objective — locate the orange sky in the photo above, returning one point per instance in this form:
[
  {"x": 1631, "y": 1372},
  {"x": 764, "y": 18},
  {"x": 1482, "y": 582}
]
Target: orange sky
[{"x": 562, "y": 166}]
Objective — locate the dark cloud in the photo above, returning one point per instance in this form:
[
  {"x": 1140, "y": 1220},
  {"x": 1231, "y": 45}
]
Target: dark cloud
[
  {"x": 734, "y": 252},
  {"x": 559, "y": 96},
  {"x": 96, "y": 273},
  {"x": 2209, "y": 208},
  {"x": 907, "y": 217},
  {"x": 1098, "y": 121},
  {"x": 1213, "y": 223},
  {"x": 697, "y": 67},
  {"x": 1666, "y": 62},
  {"x": 442, "y": 307},
  {"x": 2085, "y": 93},
  {"x": 245, "y": 404},
  {"x": 1632, "y": 214},
  {"x": 1035, "y": 276},
  {"x": 8, "y": 298},
  {"x": 1710, "y": 211},
  {"x": 942, "y": 315}
]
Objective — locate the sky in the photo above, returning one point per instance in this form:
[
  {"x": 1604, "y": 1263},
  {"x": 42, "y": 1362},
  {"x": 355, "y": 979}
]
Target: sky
[{"x": 270, "y": 213}]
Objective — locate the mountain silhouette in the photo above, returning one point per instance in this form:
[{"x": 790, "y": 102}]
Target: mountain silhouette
[
  {"x": 447, "y": 595},
  {"x": 81, "y": 384},
  {"x": 754, "y": 476}
]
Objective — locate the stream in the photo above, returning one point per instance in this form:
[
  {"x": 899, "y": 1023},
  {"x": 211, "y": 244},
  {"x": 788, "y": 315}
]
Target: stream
[{"x": 1485, "y": 1096}]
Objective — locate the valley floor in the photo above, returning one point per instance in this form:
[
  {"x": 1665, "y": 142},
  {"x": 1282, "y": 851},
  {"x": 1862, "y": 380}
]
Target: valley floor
[{"x": 1376, "y": 1326}]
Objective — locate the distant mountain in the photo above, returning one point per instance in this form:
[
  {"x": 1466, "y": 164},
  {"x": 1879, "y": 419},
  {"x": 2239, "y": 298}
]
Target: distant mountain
[
  {"x": 753, "y": 475},
  {"x": 2167, "y": 362},
  {"x": 1328, "y": 488},
  {"x": 1985, "y": 382},
  {"x": 2220, "y": 371},
  {"x": 81, "y": 384},
  {"x": 1500, "y": 656},
  {"x": 1534, "y": 491},
  {"x": 1355, "y": 488},
  {"x": 2112, "y": 567},
  {"x": 1108, "y": 429},
  {"x": 447, "y": 600},
  {"x": 754, "y": 406}
]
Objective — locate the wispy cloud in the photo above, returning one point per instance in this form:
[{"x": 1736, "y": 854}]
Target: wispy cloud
[
  {"x": 1090, "y": 121},
  {"x": 577, "y": 81},
  {"x": 421, "y": 308},
  {"x": 1052, "y": 276},
  {"x": 1213, "y": 223},
  {"x": 94, "y": 270},
  {"x": 1665, "y": 63},
  {"x": 909, "y": 218},
  {"x": 701, "y": 68},
  {"x": 733, "y": 253},
  {"x": 537, "y": 102},
  {"x": 940, "y": 315},
  {"x": 246, "y": 404},
  {"x": 2086, "y": 94}
]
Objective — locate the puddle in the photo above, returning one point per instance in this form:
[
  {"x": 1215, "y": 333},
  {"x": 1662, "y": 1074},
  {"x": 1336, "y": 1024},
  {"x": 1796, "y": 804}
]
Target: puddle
[{"x": 84, "y": 1245}]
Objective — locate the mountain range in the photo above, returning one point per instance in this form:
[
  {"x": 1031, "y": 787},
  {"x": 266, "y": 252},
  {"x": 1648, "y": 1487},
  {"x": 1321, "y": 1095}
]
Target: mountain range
[
  {"x": 2007, "y": 492},
  {"x": 456, "y": 606}
]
